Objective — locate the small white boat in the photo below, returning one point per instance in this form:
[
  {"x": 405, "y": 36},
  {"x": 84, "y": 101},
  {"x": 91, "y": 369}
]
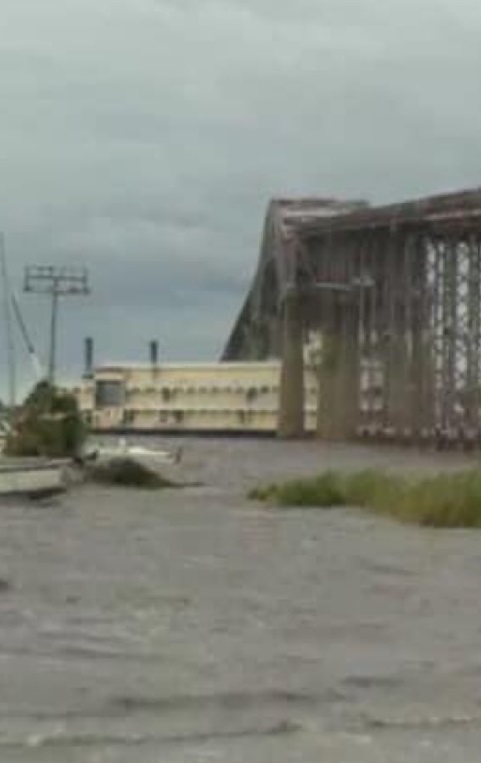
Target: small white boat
[
  {"x": 32, "y": 477},
  {"x": 150, "y": 457}
]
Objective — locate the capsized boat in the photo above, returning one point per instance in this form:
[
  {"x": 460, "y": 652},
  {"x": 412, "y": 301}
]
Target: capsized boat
[{"x": 147, "y": 456}]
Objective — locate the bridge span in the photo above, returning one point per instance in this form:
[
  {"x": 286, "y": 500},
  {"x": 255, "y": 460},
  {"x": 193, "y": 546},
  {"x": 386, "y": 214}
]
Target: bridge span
[{"x": 393, "y": 296}]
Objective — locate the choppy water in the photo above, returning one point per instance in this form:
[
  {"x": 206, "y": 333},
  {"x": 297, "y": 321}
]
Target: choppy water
[{"x": 195, "y": 626}]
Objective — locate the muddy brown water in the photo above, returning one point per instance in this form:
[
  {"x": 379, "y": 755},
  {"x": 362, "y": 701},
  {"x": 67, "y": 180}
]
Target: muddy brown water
[{"x": 195, "y": 625}]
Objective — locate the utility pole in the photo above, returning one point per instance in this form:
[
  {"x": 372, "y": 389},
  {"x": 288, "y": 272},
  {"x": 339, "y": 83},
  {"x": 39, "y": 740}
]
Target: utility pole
[
  {"x": 56, "y": 282},
  {"x": 8, "y": 325}
]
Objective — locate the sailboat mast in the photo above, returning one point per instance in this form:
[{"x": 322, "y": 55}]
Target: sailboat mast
[
  {"x": 12, "y": 377},
  {"x": 37, "y": 367}
]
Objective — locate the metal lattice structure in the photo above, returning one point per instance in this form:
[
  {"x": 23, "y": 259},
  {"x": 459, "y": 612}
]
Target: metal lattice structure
[
  {"x": 56, "y": 282},
  {"x": 395, "y": 294}
]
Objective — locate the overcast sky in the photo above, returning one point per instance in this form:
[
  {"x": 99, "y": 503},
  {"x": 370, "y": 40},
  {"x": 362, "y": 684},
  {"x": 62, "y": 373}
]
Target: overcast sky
[{"x": 144, "y": 139}]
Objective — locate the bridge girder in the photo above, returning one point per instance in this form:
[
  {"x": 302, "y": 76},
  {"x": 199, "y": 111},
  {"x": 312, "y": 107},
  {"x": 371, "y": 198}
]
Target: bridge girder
[
  {"x": 395, "y": 292},
  {"x": 256, "y": 333}
]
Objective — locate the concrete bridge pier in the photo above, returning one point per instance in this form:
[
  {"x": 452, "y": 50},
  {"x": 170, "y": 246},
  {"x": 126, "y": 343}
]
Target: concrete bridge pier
[
  {"x": 350, "y": 386},
  {"x": 291, "y": 398},
  {"x": 422, "y": 377},
  {"x": 397, "y": 413},
  {"x": 423, "y": 388},
  {"x": 339, "y": 380},
  {"x": 328, "y": 396}
]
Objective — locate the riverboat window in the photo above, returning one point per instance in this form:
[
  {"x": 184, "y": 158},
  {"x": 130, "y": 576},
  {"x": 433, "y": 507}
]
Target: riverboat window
[
  {"x": 109, "y": 394},
  {"x": 128, "y": 417}
]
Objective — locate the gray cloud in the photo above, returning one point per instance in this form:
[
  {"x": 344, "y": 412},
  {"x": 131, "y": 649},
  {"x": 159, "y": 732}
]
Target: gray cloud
[{"x": 145, "y": 138}]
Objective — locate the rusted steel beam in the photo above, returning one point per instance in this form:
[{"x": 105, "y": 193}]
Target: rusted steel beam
[{"x": 459, "y": 209}]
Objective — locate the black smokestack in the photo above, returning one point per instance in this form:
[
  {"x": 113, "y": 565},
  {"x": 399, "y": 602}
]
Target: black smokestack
[
  {"x": 154, "y": 352},
  {"x": 89, "y": 357}
]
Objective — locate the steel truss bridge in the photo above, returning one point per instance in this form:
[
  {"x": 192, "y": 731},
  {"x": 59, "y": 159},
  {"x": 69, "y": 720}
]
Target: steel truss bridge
[{"x": 394, "y": 295}]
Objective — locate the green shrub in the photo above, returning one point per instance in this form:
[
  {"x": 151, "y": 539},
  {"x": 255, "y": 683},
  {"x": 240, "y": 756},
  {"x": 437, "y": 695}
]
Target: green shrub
[{"x": 48, "y": 424}]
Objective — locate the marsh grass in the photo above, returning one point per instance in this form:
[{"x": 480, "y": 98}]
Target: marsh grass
[
  {"x": 325, "y": 491},
  {"x": 443, "y": 500}
]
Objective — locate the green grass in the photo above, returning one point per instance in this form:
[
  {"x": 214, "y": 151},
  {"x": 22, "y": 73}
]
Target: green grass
[
  {"x": 324, "y": 490},
  {"x": 126, "y": 472},
  {"x": 444, "y": 500},
  {"x": 265, "y": 493}
]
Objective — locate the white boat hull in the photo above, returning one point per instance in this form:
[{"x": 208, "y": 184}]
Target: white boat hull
[
  {"x": 30, "y": 477},
  {"x": 148, "y": 457}
]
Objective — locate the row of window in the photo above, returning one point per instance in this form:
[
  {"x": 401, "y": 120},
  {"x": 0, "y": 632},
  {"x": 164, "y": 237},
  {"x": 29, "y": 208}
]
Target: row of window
[
  {"x": 198, "y": 411},
  {"x": 167, "y": 393},
  {"x": 178, "y": 417},
  {"x": 113, "y": 394}
]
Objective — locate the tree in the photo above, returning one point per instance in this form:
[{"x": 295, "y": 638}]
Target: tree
[{"x": 48, "y": 424}]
